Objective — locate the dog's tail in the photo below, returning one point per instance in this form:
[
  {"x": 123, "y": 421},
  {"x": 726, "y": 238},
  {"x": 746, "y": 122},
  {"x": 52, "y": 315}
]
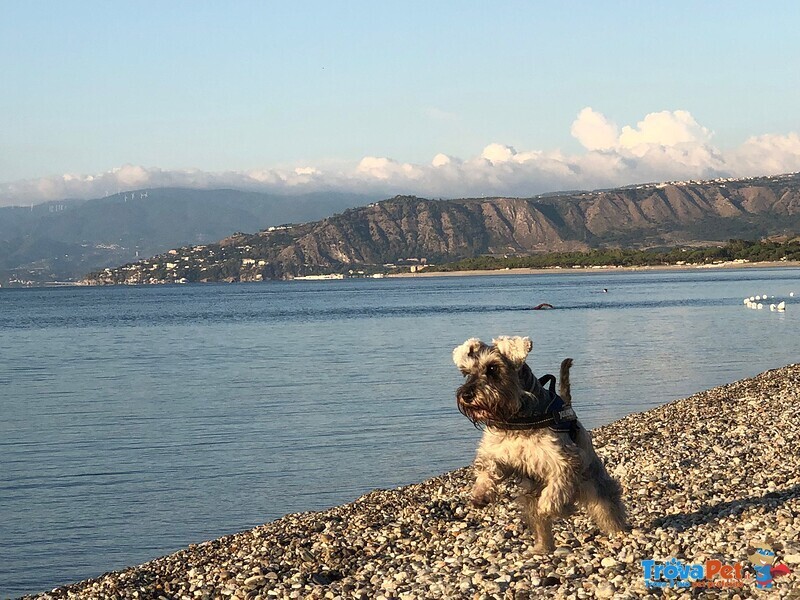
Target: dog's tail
[{"x": 563, "y": 382}]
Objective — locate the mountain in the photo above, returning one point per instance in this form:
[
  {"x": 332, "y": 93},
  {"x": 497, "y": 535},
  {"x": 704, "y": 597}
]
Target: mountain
[
  {"x": 64, "y": 240},
  {"x": 410, "y": 229}
]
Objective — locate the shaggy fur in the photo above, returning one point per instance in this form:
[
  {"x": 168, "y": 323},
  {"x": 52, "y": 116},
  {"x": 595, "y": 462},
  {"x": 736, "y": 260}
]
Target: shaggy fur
[{"x": 555, "y": 471}]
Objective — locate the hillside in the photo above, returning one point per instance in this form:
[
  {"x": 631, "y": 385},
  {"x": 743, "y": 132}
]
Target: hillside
[
  {"x": 409, "y": 229},
  {"x": 65, "y": 240}
]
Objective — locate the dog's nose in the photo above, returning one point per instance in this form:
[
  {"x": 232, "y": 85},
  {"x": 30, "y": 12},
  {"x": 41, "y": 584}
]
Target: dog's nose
[{"x": 467, "y": 396}]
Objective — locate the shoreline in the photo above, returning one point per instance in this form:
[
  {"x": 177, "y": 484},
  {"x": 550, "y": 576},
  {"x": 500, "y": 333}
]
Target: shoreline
[
  {"x": 704, "y": 478},
  {"x": 603, "y": 269}
]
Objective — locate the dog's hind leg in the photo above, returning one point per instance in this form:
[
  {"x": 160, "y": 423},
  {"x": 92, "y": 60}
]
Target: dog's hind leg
[{"x": 602, "y": 497}]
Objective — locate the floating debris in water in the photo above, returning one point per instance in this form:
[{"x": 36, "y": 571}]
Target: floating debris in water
[{"x": 754, "y": 303}]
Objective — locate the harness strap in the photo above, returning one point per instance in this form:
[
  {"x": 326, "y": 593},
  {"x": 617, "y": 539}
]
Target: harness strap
[
  {"x": 548, "y": 380},
  {"x": 561, "y": 419},
  {"x": 552, "y": 418}
]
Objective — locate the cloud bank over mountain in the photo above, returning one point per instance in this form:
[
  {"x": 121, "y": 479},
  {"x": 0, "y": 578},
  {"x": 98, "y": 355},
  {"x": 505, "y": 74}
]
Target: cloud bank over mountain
[{"x": 663, "y": 146}]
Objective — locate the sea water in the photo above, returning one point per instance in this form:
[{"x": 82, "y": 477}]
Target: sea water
[{"x": 137, "y": 420}]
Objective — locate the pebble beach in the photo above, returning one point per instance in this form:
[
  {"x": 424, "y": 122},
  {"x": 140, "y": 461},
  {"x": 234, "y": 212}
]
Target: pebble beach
[{"x": 709, "y": 477}]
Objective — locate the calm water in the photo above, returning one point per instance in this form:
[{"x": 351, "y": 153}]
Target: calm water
[{"x": 138, "y": 420}]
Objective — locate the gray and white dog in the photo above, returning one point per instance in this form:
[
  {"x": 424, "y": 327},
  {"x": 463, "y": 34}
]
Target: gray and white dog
[{"x": 532, "y": 434}]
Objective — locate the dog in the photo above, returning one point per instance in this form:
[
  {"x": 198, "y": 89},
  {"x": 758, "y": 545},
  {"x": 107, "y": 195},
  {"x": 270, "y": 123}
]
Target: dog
[{"x": 532, "y": 434}]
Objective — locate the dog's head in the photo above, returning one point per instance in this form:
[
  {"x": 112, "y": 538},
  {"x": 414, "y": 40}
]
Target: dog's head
[{"x": 492, "y": 390}]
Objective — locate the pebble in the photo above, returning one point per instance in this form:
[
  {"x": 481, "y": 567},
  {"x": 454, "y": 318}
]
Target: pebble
[
  {"x": 608, "y": 562},
  {"x": 255, "y": 581},
  {"x": 703, "y": 477},
  {"x": 605, "y": 590}
]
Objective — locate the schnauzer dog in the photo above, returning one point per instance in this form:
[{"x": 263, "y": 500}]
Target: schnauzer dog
[{"x": 532, "y": 434}]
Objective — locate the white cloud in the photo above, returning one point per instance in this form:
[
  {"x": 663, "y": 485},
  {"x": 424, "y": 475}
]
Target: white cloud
[
  {"x": 377, "y": 167},
  {"x": 131, "y": 175},
  {"x": 441, "y": 160},
  {"x": 498, "y": 153},
  {"x": 437, "y": 114},
  {"x": 594, "y": 131},
  {"x": 767, "y": 154},
  {"x": 663, "y": 146},
  {"x": 307, "y": 171},
  {"x": 663, "y": 128}
]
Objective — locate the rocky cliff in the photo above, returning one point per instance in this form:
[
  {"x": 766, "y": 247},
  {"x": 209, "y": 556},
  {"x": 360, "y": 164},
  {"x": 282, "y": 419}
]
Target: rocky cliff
[{"x": 404, "y": 228}]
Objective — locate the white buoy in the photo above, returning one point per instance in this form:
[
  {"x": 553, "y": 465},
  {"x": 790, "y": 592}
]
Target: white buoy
[
  {"x": 746, "y": 300},
  {"x": 758, "y": 298},
  {"x": 791, "y": 294},
  {"x": 772, "y": 307},
  {"x": 751, "y": 298},
  {"x": 781, "y": 306}
]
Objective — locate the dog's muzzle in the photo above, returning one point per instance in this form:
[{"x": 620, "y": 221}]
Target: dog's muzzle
[{"x": 466, "y": 396}]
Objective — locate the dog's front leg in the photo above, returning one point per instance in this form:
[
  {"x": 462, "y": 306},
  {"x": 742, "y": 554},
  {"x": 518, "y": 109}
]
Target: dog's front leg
[
  {"x": 542, "y": 525},
  {"x": 487, "y": 475}
]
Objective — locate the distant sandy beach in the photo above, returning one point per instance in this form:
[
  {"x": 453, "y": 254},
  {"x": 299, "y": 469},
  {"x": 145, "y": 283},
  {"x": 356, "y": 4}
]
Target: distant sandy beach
[{"x": 608, "y": 269}]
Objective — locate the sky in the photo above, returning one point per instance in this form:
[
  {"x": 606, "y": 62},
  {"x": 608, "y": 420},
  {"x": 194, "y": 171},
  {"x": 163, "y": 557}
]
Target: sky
[{"x": 437, "y": 99}]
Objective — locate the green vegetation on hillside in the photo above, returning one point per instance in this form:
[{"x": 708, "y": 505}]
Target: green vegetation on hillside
[{"x": 742, "y": 250}]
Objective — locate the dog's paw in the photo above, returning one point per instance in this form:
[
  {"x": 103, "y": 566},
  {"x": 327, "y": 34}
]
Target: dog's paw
[
  {"x": 622, "y": 527},
  {"x": 542, "y": 548},
  {"x": 483, "y": 496}
]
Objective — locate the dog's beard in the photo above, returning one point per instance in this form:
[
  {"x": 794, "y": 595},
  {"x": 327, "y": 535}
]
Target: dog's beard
[
  {"x": 476, "y": 414},
  {"x": 489, "y": 406}
]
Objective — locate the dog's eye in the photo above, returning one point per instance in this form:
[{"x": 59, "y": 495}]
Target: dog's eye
[{"x": 491, "y": 370}]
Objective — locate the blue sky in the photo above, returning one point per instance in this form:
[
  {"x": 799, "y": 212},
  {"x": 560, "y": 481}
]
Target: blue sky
[{"x": 96, "y": 88}]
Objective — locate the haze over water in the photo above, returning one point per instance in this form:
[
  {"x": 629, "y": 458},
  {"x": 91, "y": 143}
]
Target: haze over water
[{"x": 139, "y": 420}]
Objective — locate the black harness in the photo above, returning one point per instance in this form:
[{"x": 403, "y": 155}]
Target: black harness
[{"x": 543, "y": 407}]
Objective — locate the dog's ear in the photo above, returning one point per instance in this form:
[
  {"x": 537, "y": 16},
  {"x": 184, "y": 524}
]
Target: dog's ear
[
  {"x": 464, "y": 355},
  {"x": 515, "y": 348}
]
